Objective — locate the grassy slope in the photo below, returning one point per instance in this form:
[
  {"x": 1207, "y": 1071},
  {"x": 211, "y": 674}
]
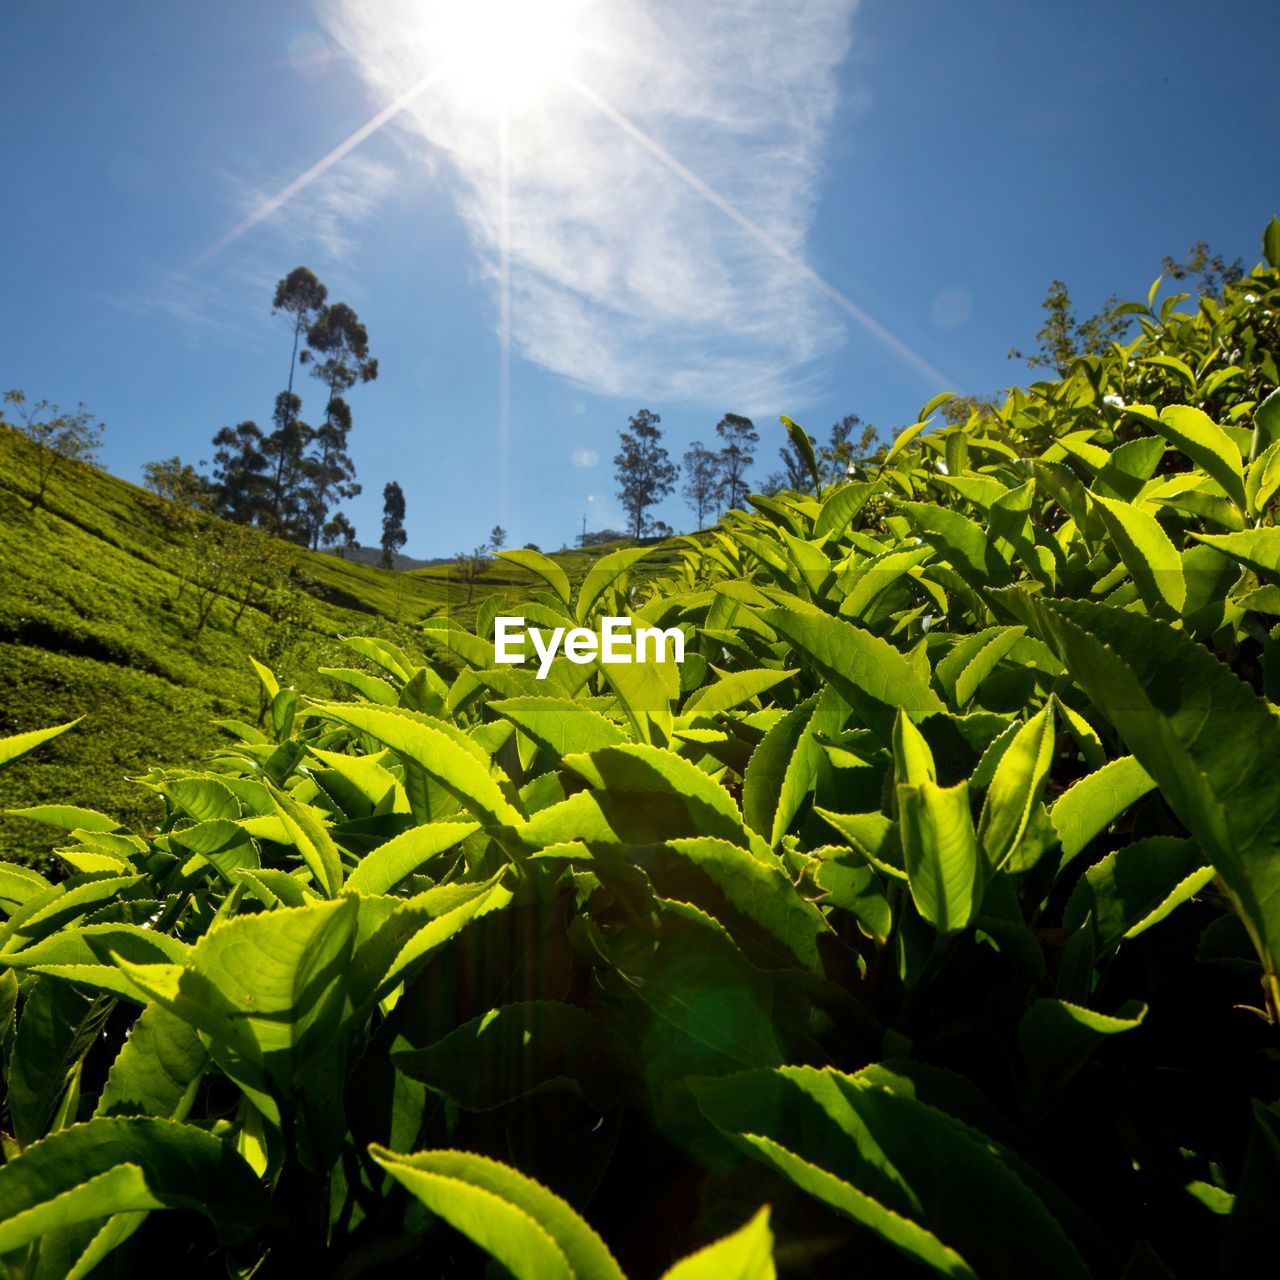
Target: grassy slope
[{"x": 92, "y": 623}]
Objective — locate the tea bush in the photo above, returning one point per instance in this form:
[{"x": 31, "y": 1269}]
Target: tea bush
[{"x": 933, "y": 902}]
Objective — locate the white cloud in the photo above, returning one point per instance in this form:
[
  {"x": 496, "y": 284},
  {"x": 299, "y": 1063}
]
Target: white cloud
[
  {"x": 325, "y": 213},
  {"x": 624, "y": 278},
  {"x": 322, "y": 217},
  {"x": 585, "y": 457}
]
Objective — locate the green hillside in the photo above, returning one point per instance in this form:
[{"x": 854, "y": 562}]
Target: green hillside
[{"x": 97, "y": 616}]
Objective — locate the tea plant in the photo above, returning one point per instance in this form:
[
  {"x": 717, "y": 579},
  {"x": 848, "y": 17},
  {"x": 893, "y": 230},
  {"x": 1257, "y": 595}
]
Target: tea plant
[{"x": 932, "y": 902}]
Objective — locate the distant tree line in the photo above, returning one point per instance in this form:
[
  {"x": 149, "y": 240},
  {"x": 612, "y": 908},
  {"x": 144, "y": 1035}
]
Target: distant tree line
[
  {"x": 716, "y": 479},
  {"x": 289, "y": 481}
]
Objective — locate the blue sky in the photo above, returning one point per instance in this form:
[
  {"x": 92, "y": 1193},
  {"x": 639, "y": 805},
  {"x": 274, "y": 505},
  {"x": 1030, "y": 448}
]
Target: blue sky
[{"x": 809, "y": 207}]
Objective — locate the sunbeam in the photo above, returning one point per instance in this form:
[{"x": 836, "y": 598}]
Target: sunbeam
[
  {"x": 922, "y": 366},
  {"x": 487, "y": 59},
  {"x": 504, "y": 305},
  {"x": 326, "y": 162}
]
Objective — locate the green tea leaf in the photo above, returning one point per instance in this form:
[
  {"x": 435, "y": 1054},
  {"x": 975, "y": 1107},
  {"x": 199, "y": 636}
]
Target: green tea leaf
[
  {"x": 1016, "y": 788},
  {"x": 961, "y": 542},
  {"x": 112, "y": 1165},
  {"x": 437, "y": 754},
  {"x": 560, "y": 726},
  {"x": 747, "y": 1254},
  {"x": 1151, "y": 558},
  {"x": 730, "y": 691},
  {"x": 803, "y": 446},
  {"x": 67, "y": 817},
  {"x": 1266, "y": 420},
  {"x": 925, "y": 1183},
  {"x": 1088, "y": 807},
  {"x": 842, "y": 506},
  {"x": 868, "y": 672},
  {"x": 382, "y": 869},
  {"x": 1201, "y": 733},
  {"x": 57, "y": 1026},
  {"x": 265, "y": 989},
  {"x": 1256, "y": 549},
  {"x": 1057, "y": 1038},
  {"x": 940, "y": 849},
  {"x": 904, "y": 438},
  {"x": 12, "y": 749},
  {"x": 157, "y": 1070},
  {"x": 1136, "y": 886},
  {"x": 528, "y": 1229},
  {"x": 1206, "y": 444},
  {"x": 308, "y": 834},
  {"x": 760, "y": 892},
  {"x": 545, "y": 568},
  {"x": 607, "y": 572},
  {"x": 637, "y": 769}
]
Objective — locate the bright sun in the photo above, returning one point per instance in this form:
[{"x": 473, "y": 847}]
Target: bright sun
[{"x": 507, "y": 51}]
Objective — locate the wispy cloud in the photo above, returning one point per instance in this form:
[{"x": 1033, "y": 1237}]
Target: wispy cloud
[
  {"x": 326, "y": 218},
  {"x": 326, "y": 214},
  {"x": 623, "y": 277}
]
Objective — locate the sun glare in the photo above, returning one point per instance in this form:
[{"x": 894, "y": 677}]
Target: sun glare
[{"x": 508, "y": 51}]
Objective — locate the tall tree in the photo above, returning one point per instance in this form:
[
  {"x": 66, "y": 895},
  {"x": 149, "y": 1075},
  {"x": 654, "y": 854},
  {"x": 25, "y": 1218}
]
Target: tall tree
[
  {"x": 285, "y": 450},
  {"x": 330, "y": 472},
  {"x": 701, "y": 479},
  {"x": 497, "y": 537},
  {"x": 300, "y": 296},
  {"x": 841, "y": 451},
  {"x": 393, "y": 534},
  {"x": 794, "y": 476},
  {"x": 57, "y": 436},
  {"x": 240, "y": 476},
  {"x": 338, "y": 352},
  {"x": 959, "y": 409},
  {"x": 738, "y": 438},
  {"x": 1062, "y": 338},
  {"x": 340, "y": 534},
  {"x": 834, "y": 458},
  {"x": 644, "y": 470},
  {"x": 1209, "y": 272}
]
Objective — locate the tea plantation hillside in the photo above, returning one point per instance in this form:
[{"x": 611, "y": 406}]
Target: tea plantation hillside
[
  {"x": 924, "y": 919},
  {"x": 99, "y": 602}
]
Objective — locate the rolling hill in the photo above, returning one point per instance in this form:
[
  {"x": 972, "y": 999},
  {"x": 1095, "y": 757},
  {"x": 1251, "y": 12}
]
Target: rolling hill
[{"x": 98, "y": 619}]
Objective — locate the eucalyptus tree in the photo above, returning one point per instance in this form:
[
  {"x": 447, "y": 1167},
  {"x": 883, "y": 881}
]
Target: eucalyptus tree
[
  {"x": 240, "y": 477},
  {"x": 739, "y": 437},
  {"x": 338, "y": 353},
  {"x": 301, "y": 297},
  {"x": 841, "y": 451},
  {"x": 330, "y": 474},
  {"x": 288, "y": 505},
  {"x": 701, "y": 479},
  {"x": 393, "y": 534},
  {"x": 644, "y": 470},
  {"x": 339, "y": 534}
]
